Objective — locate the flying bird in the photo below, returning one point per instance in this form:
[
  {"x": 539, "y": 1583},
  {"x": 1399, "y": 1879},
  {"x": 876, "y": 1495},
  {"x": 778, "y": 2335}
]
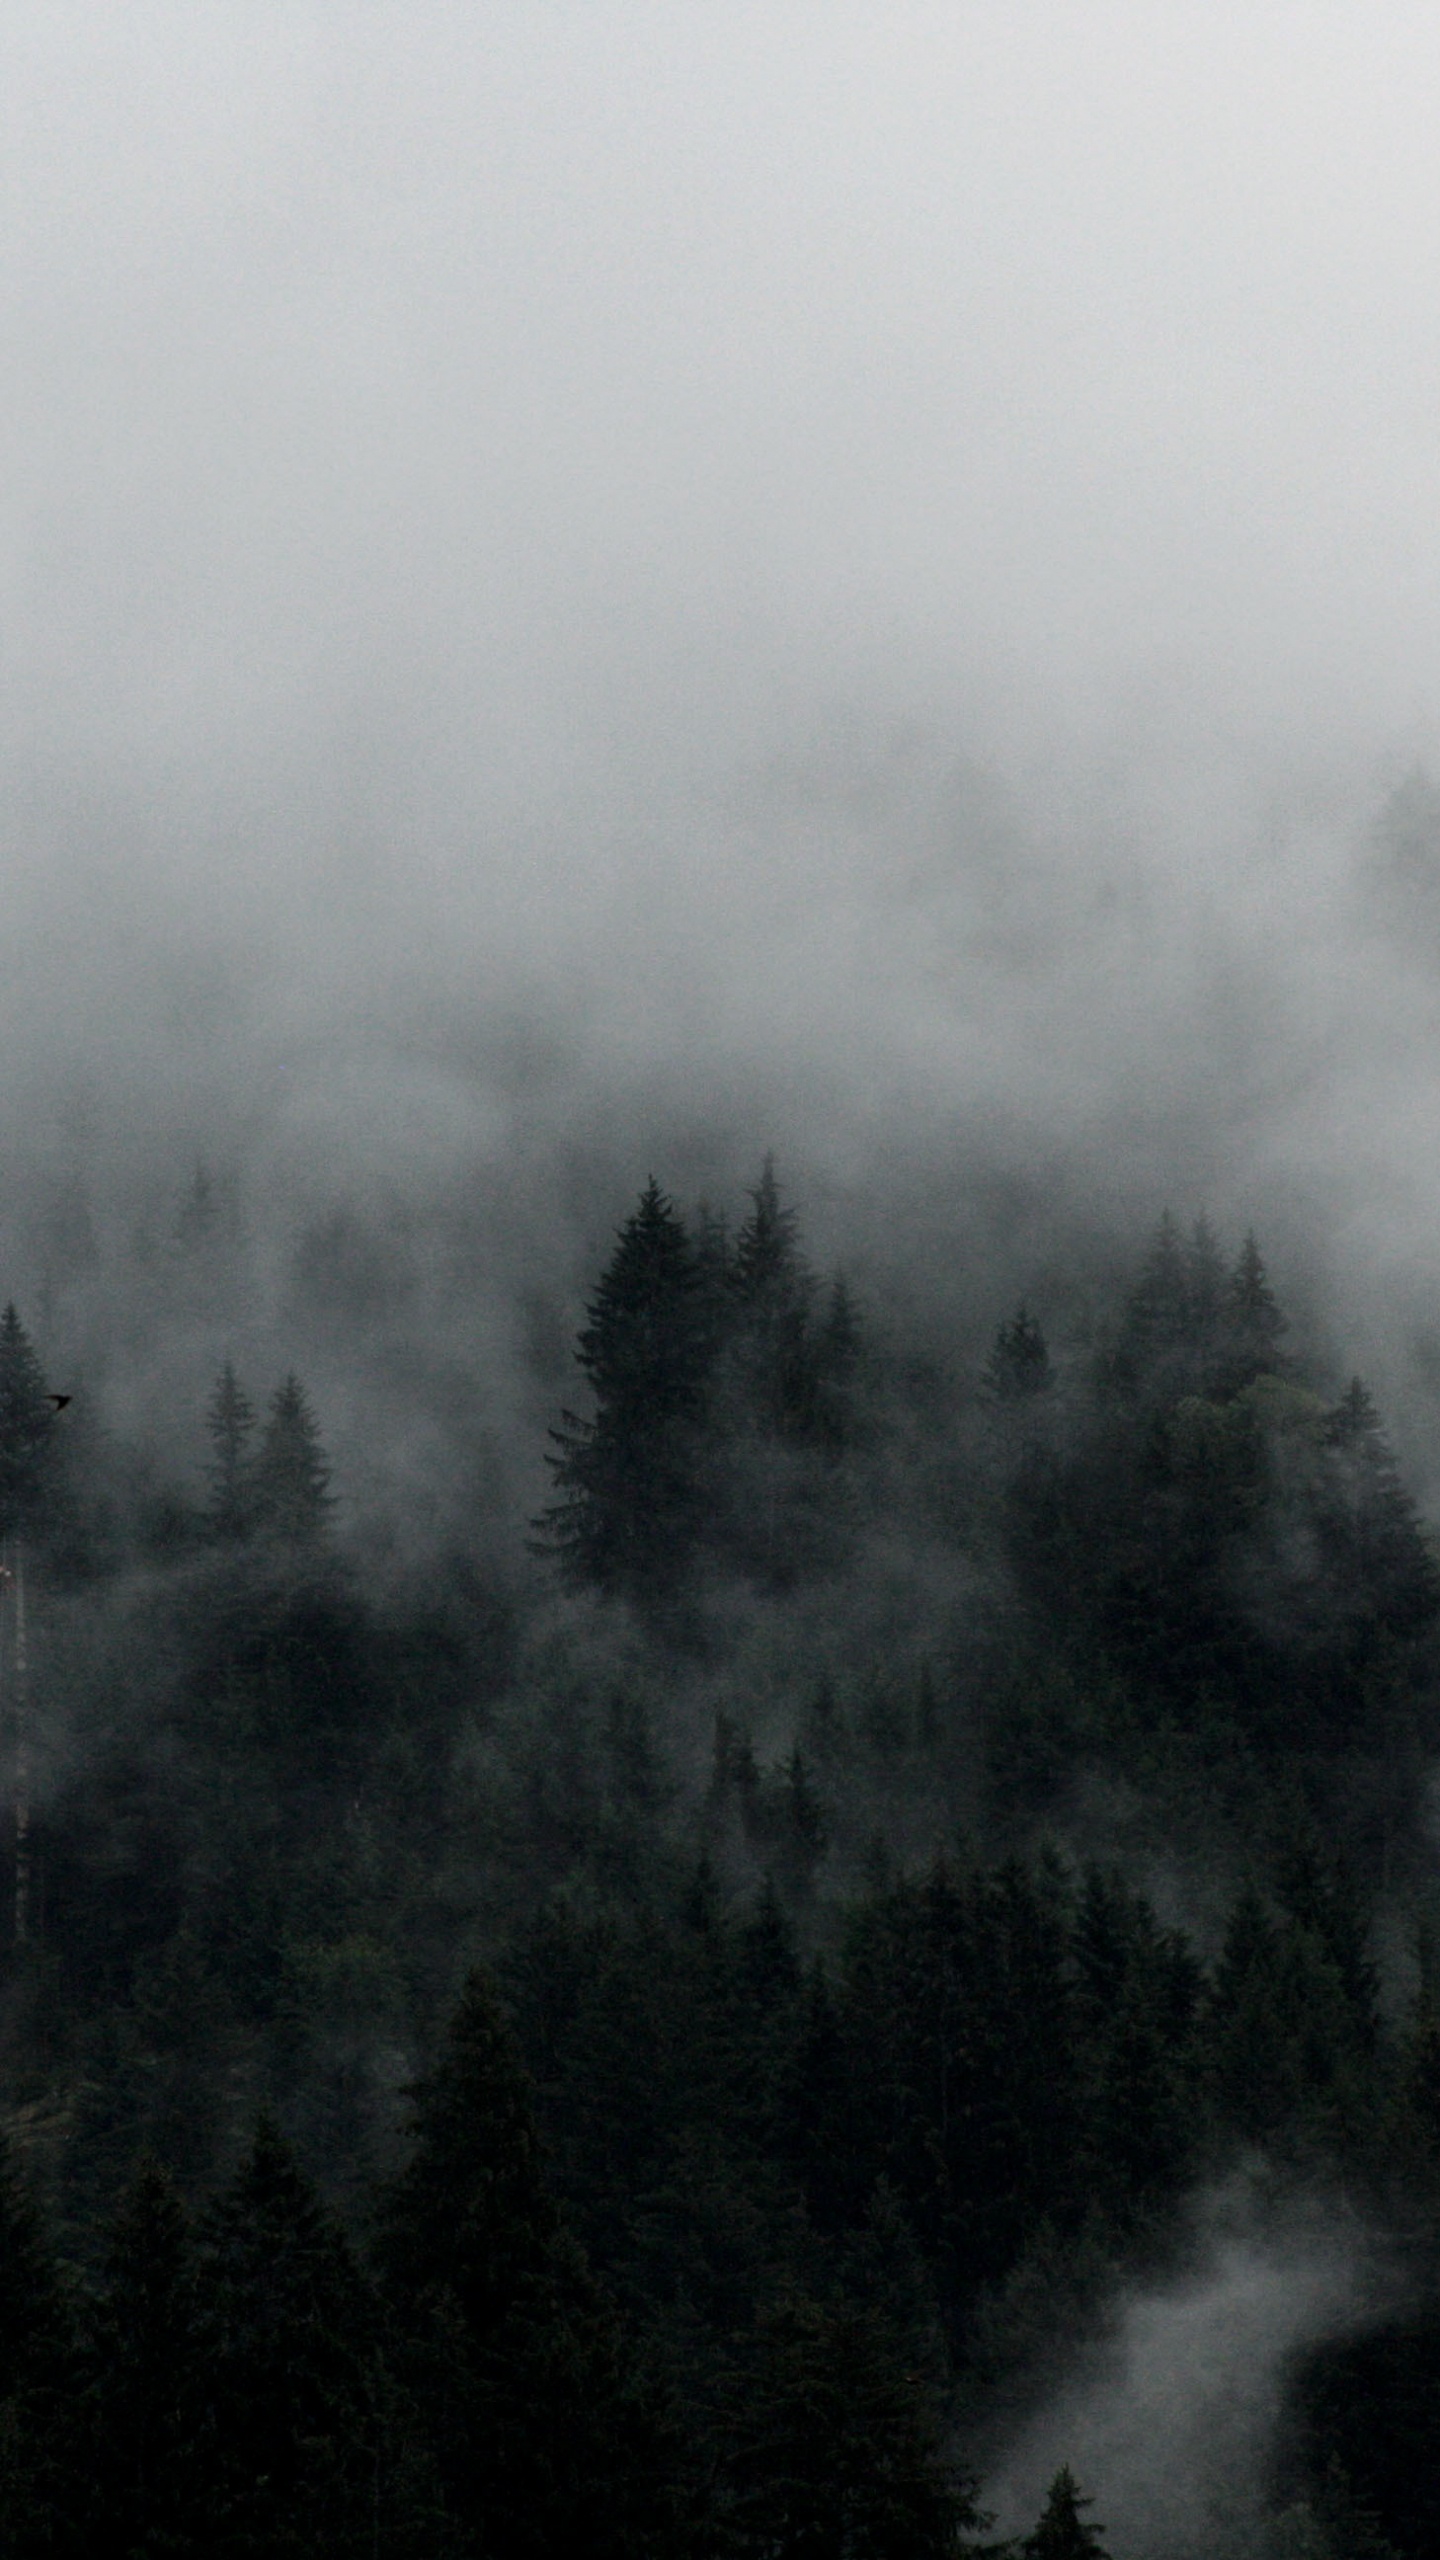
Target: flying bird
[{"x": 59, "y": 1402}]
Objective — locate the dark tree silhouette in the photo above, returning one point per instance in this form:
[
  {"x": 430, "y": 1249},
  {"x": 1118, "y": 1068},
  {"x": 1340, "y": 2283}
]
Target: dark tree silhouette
[
  {"x": 292, "y": 1499},
  {"x": 1019, "y": 1362},
  {"x": 230, "y": 1424},
  {"x": 629, "y": 1488},
  {"x": 27, "y": 1422},
  {"x": 1062, "y": 2532}
]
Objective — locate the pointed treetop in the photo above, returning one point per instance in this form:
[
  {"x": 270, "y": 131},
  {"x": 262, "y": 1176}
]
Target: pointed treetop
[
  {"x": 1019, "y": 1363},
  {"x": 1204, "y": 1275},
  {"x": 1158, "y": 1314},
  {"x": 470, "y": 2213},
  {"x": 229, "y": 1423},
  {"x": 291, "y": 1477},
  {"x": 1354, "y": 1421},
  {"x": 767, "y": 1256},
  {"x": 1252, "y": 1303},
  {"x": 1062, "y": 2532},
  {"x": 27, "y": 1420}
]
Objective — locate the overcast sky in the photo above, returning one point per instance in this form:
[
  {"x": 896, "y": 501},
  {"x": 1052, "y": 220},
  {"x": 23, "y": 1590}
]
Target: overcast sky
[{"x": 515, "y": 497}]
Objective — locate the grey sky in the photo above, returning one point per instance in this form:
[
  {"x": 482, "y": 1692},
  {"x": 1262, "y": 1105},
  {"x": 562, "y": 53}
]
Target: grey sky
[
  {"x": 544, "y": 496},
  {"x": 486, "y": 373}
]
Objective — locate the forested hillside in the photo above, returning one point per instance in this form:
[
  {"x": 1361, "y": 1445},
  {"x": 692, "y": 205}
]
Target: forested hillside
[{"x": 668, "y": 2025}]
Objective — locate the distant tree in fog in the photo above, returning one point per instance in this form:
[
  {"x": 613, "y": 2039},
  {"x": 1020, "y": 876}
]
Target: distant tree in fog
[
  {"x": 629, "y": 1498},
  {"x": 1019, "y": 1363},
  {"x": 27, "y": 1421},
  {"x": 1062, "y": 2532},
  {"x": 292, "y": 1498},
  {"x": 230, "y": 1423}
]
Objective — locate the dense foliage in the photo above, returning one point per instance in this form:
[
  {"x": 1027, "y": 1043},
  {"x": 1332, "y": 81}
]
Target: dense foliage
[{"x": 670, "y": 2046}]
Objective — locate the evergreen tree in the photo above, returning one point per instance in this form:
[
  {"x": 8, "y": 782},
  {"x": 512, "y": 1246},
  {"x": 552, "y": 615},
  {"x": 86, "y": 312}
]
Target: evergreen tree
[
  {"x": 146, "y": 2411},
  {"x": 630, "y": 1491},
  {"x": 1253, "y": 1321},
  {"x": 27, "y": 1422},
  {"x": 838, "y": 1352},
  {"x": 1158, "y": 1313},
  {"x": 1062, "y": 2532},
  {"x": 545, "y": 2438},
  {"x": 1019, "y": 1363},
  {"x": 774, "y": 1293},
  {"x": 829, "y": 2446},
  {"x": 230, "y": 1422},
  {"x": 36, "y": 2375},
  {"x": 292, "y": 1500},
  {"x": 1204, "y": 1280},
  {"x": 1380, "y": 1577},
  {"x": 291, "y": 2336}
]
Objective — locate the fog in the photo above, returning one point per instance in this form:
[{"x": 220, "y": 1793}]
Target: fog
[{"x": 1176, "y": 2428}]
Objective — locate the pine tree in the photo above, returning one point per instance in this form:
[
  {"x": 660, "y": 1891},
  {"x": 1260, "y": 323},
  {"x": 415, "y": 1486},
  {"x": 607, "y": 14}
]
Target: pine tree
[
  {"x": 1062, "y": 2532},
  {"x": 544, "y": 2436},
  {"x": 838, "y": 1353},
  {"x": 291, "y": 2333},
  {"x": 1157, "y": 1316},
  {"x": 630, "y": 1496},
  {"x": 1019, "y": 1363},
  {"x": 27, "y": 1422},
  {"x": 292, "y": 1500},
  {"x": 1253, "y": 1321},
  {"x": 230, "y": 1422},
  {"x": 830, "y": 2446},
  {"x": 1381, "y": 1576},
  {"x": 773, "y": 1290},
  {"x": 146, "y": 2412},
  {"x": 1204, "y": 1280},
  {"x": 36, "y": 2375}
]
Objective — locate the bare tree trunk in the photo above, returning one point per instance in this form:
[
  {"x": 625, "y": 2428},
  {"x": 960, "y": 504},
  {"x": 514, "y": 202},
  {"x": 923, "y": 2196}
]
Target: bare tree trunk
[{"x": 22, "y": 1757}]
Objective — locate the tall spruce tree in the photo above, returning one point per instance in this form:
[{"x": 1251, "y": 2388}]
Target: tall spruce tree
[
  {"x": 230, "y": 1424},
  {"x": 291, "y": 1482},
  {"x": 774, "y": 1291},
  {"x": 36, "y": 2378},
  {"x": 1019, "y": 1363},
  {"x": 146, "y": 2413},
  {"x": 1253, "y": 1320},
  {"x": 630, "y": 1498},
  {"x": 27, "y": 1423},
  {"x": 1157, "y": 1314},
  {"x": 544, "y": 2437},
  {"x": 1063, "y": 2532},
  {"x": 829, "y": 2446},
  {"x": 291, "y": 2339}
]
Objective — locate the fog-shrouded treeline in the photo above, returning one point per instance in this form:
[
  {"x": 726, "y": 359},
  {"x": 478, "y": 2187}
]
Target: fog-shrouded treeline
[{"x": 694, "y": 1996}]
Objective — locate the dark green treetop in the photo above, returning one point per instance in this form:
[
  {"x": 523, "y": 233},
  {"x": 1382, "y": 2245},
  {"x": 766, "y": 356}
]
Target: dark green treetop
[
  {"x": 229, "y": 1424},
  {"x": 1063, "y": 2532},
  {"x": 628, "y": 1482},
  {"x": 1019, "y": 1362},
  {"x": 292, "y": 1498},
  {"x": 27, "y": 1423}
]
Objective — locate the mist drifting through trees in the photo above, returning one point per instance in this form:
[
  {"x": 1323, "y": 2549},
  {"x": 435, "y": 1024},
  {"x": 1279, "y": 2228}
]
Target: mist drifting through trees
[{"x": 719, "y": 1326}]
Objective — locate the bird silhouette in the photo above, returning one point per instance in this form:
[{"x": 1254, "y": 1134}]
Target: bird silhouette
[{"x": 59, "y": 1402}]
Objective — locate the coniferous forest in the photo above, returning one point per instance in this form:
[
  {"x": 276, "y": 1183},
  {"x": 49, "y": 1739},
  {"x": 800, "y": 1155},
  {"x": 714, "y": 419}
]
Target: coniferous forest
[{"x": 671, "y": 2027}]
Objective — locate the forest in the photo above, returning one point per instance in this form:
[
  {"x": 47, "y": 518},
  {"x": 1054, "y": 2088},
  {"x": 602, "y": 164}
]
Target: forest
[{"x": 671, "y": 2026}]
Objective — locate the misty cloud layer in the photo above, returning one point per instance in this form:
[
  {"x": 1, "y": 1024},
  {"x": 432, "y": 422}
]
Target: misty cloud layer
[{"x": 597, "y": 590}]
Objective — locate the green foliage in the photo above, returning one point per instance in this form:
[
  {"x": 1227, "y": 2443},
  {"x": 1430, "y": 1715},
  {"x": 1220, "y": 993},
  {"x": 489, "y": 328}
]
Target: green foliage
[
  {"x": 289, "y": 1489},
  {"x": 1063, "y": 2532},
  {"x": 290, "y": 2331},
  {"x": 27, "y": 1423},
  {"x": 1019, "y": 1364},
  {"x": 229, "y": 1424},
  {"x": 723, "y": 1401},
  {"x": 828, "y": 2449},
  {"x": 545, "y": 2437}
]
